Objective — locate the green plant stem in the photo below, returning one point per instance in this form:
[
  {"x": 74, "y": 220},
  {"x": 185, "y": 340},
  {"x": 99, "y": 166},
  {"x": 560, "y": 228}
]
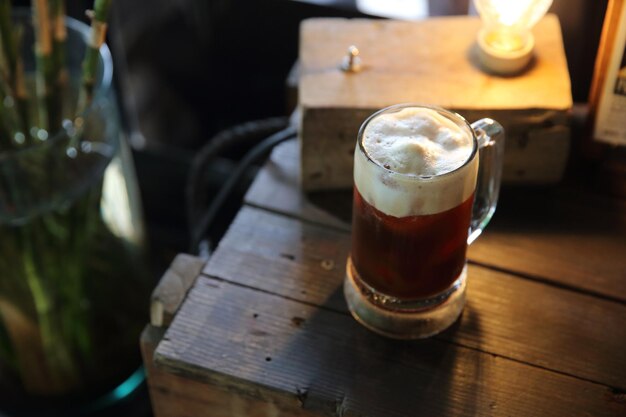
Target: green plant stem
[
  {"x": 19, "y": 91},
  {"x": 58, "y": 355},
  {"x": 44, "y": 61},
  {"x": 59, "y": 38},
  {"x": 8, "y": 41},
  {"x": 90, "y": 63},
  {"x": 11, "y": 40},
  {"x": 14, "y": 75},
  {"x": 83, "y": 226},
  {"x": 49, "y": 303},
  {"x": 59, "y": 72},
  {"x": 21, "y": 98}
]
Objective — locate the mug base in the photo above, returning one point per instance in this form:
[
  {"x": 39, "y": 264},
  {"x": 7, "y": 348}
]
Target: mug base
[{"x": 403, "y": 320}]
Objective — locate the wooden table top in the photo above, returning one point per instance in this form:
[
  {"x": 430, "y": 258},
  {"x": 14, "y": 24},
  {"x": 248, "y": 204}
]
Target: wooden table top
[{"x": 543, "y": 332}]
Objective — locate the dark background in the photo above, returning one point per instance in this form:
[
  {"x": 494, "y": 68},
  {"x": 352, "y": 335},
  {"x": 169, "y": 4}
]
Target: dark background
[{"x": 189, "y": 68}]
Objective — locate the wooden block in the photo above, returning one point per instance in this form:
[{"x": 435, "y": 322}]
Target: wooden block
[
  {"x": 431, "y": 62},
  {"x": 175, "y": 396},
  {"x": 172, "y": 288},
  {"x": 291, "y": 88}
]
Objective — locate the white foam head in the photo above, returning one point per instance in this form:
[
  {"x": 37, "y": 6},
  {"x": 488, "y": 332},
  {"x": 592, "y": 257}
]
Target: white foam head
[{"x": 419, "y": 162}]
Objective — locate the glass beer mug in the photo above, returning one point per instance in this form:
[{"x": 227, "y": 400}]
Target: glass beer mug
[{"x": 426, "y": 183}]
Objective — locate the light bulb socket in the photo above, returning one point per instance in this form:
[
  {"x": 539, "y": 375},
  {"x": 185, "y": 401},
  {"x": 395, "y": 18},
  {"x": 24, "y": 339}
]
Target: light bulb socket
[{"x": 504, "y": 62}]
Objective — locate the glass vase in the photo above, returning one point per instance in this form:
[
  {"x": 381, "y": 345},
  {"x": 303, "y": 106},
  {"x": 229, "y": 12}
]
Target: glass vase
[{"x": 74, "y": 285}]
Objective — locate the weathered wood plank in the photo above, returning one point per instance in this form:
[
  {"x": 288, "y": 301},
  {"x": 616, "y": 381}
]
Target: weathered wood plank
[
  {"x": 176, "y": 396},
  {"x": 272, "y": 348},
  {"x": 433, "y": 61},
  {"x": 566, "y": 235},
  {"x": 430, "y": 62},
  {"x": 276, "y": 187},
  {"x": 506, "y": 315},
  {"x": 557, "y": 234}
]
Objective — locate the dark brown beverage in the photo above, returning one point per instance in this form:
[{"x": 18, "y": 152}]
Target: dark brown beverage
[
  {"x": 409, "y": 257},
  {"x": 416, "y": 174}
]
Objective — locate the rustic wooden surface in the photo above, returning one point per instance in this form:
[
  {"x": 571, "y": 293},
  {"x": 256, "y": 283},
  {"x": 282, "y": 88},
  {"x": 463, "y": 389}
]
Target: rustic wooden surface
[
  {"x": 175, "y": 395},
  {"x": 549, "y": 234},
  {"x": 398, "y": 59},
  {"x": 543, "y": 332},
  {"x": 430, "y": 62}
]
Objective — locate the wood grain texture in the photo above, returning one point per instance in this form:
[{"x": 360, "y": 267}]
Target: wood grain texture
[
  {"x": 271, "y": 348},
  {"x": 398, "y": 60},
  {"x": 506, "y": 315},
  {"x": 274, "y": 186},
  {"x": 177, "y": 396},
  {"x": 537, "y": 143},
  {"x": 554, "y": 234},
  {"x": 568, "y": 235},
  {"x": 536, "y": 151},
  {"x": 431, "y": 62}
]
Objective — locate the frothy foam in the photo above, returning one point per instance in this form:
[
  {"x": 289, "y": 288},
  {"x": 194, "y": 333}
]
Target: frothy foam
[
  {"x": 417, "y": 141},
  {"x": 416, "y": 146}
]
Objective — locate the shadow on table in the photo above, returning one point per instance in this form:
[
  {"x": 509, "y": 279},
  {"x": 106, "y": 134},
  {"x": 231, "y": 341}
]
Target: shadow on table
[
  {"x": 568, "y": 209},
  {"x": 352, "y": 370},
  {"x": 335, "y": 202}
]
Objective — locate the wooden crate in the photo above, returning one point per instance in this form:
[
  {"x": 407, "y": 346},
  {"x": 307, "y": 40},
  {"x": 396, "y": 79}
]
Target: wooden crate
[
  {"x": 431, "y": 62},
  {"x": 264, "y": 330}
]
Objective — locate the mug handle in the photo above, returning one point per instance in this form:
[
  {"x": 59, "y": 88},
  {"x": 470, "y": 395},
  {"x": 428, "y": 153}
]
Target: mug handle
[{"x": 490, "y": 136}]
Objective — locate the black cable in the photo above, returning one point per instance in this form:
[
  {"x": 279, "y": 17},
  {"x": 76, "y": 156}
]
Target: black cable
[
  {"x": 243, "y": 135},
  {"x": 252, "y": 156}
]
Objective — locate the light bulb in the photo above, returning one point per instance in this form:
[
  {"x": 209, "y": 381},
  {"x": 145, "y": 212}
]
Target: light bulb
[{"x": 505, "y": 41}]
